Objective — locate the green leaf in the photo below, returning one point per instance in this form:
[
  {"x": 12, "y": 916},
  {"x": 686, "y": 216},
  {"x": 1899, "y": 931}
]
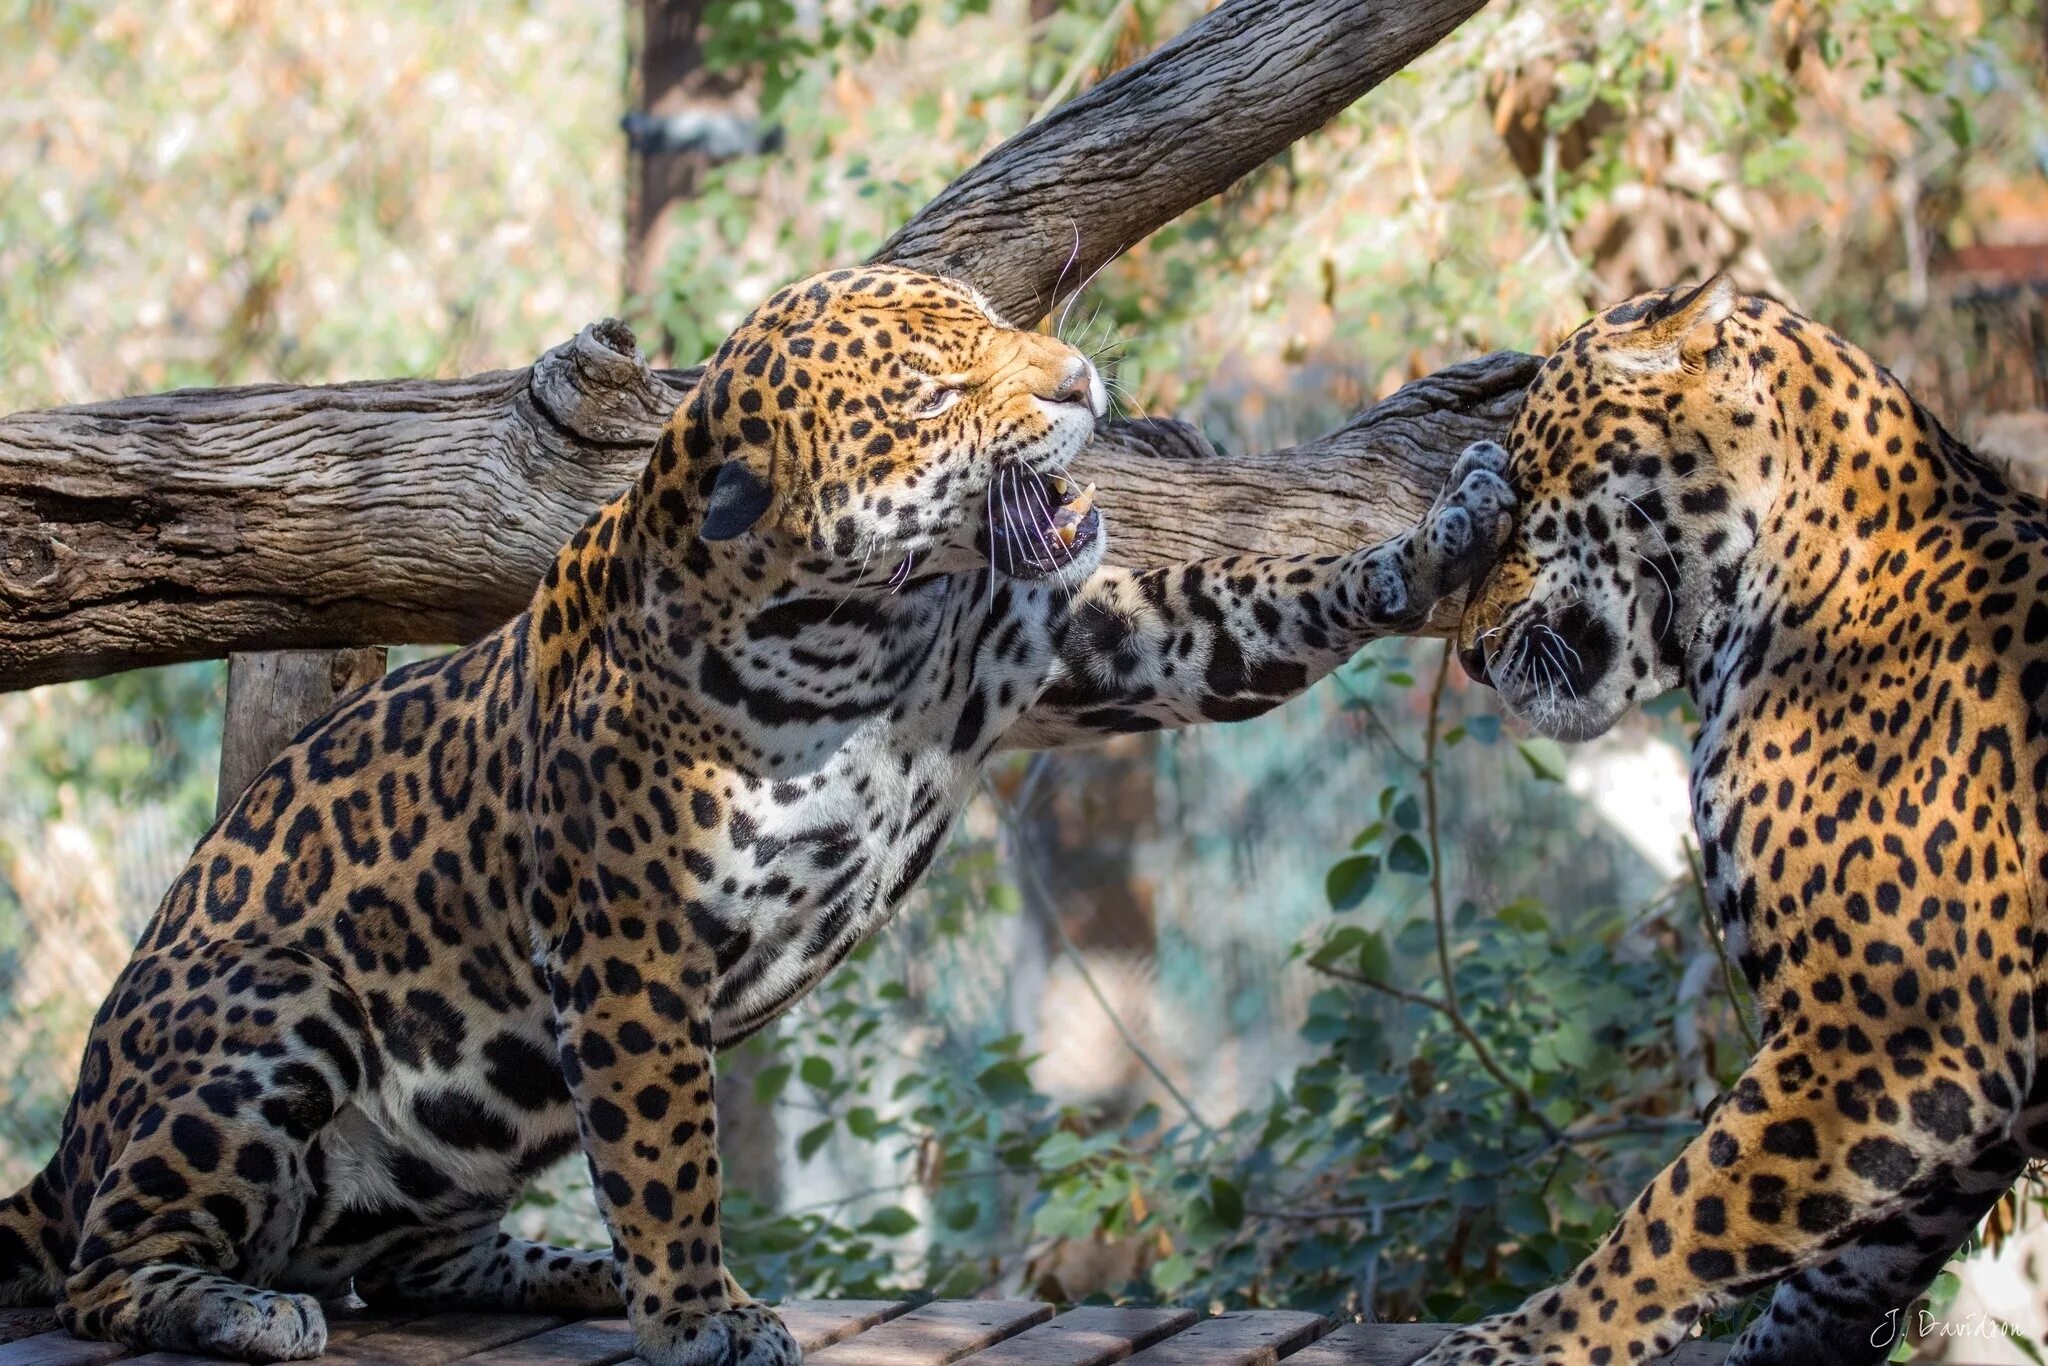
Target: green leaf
[
  {"x": 862, "y": 1123},
  {"x": 1957, "y": 122},
  {"x": 1006, "y": 1083},
  {"x": 1485, "y": 727},
  {"x": 1524, "y": 915},
  {"x": 1408, "y": 856},
  {"x": 1061, "y": 1149},
  {"x": 1227, "y": 1201},
  {"x": 813, "y": 1139},
  {"x": 1524, "y": 1215},
  {"x": 817, "y": 1071},
  {"x": 1544, "y": 756},
  {"x": 769, "y": 1082},
  {"x": 1408, "y": 813},
  {"x": 893, "y": 1222},
  {"x": 1351, "y": 881},
  {"x": 1341, "y": 944}
]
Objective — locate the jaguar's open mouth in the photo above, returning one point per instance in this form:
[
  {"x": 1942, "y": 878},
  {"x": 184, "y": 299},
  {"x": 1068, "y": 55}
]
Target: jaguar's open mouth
[{"x": 1038, "y": 524}]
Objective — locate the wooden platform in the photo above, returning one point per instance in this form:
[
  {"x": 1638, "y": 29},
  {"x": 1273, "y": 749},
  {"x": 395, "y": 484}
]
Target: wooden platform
[{"x": 845, "y": 1333}]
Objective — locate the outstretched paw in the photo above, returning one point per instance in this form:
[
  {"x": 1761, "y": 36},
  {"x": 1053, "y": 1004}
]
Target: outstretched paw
[
  {"x": 745, "y": 1335},
  {"x": 1469, "y": 523},
  {"x": 1462, "y": 533}
]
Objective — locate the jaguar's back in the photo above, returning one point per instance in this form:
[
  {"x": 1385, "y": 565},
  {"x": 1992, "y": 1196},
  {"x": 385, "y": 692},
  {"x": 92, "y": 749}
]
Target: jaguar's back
[{"x": 1725, "y": 496}]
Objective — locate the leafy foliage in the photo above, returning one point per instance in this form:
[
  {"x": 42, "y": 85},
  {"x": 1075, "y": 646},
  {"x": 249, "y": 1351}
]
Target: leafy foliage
[{"x": 1427, "y": 1161}]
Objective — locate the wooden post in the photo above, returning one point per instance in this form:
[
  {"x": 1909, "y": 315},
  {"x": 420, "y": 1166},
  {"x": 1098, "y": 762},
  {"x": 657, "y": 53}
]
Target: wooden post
[
  {"x": 689, "y": 118},
  {"x": 272, "y": 696},
  {"x": 670, "y": 144}
]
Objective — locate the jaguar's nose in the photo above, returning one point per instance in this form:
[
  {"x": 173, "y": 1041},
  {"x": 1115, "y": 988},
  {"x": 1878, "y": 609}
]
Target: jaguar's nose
[{"x": 1078, "y": 383}]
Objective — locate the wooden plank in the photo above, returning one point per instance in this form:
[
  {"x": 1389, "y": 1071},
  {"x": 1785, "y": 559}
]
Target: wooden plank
[
  {"x": 59, "y": 1348},
  {"x": 1093, "y": 1335},
  {"x": 344, "y": 1325},
  {"x": 1249, "y": 1337},
  {"x": 444, "y": 1337},
  {"x": 936, "y": 1335},
  {"x": 16, "y": 1324},
  {"x": 1400, "y": 1344},
  {"x": 593, "y": 1342},
  {"x": 817, "y": 1324}
]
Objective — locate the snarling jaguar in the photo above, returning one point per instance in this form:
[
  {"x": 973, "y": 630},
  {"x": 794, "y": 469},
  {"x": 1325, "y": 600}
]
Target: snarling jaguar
[
  {"x": 508, "y": 902},
  {"x": 1722, "y": 496}
]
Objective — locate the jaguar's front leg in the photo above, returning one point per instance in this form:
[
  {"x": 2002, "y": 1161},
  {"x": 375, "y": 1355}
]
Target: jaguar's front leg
[
  {"x": 634, "y": 1020},
  {"x": 1226, "y": 639}
]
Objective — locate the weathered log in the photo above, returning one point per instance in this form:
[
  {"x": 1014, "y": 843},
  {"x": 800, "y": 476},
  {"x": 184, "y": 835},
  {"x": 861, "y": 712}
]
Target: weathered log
[{"x": 192, "y": 524}]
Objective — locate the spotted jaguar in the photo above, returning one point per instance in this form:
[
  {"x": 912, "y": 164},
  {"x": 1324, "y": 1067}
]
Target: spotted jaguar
[
  {"x": 1722, "y": 496},
  {"x": 508, "y": 902}
]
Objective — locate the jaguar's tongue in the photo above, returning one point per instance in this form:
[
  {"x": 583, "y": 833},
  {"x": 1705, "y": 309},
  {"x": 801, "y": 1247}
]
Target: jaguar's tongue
[{"x": 1066, "y": 518}]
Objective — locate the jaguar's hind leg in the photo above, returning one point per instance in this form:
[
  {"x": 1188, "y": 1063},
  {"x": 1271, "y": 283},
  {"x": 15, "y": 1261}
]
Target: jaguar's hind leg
[
  {"x": 1853, "y": 1308},
  {"x": 199, "y": 1209},
  {"x": 494, "y": 1270}
]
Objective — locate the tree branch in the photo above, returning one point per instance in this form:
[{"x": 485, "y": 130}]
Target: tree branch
[
  {"x": 187, "y": 525},
  {"x": 1235, "y": 90}
]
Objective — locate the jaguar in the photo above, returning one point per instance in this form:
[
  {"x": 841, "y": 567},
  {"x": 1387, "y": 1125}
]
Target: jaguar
[
  {"x": 507, "y": 903},
  {"x": 1721, "y": 496}
]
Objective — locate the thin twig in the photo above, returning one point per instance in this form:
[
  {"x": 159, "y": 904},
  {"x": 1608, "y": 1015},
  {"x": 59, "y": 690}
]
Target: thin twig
[
  {"x": 1699, "y": 889},
  {"x": 1633, "y": 1124},
  {"x": 1007, "y": 817},
  {"x": 1084, "y": 56},
  {"x": 944, "y": 1178},
  {"x": 1447, "y": 1004},
  {"x": 1372, "y": 719},
  {"x": 1415, "y": 998},
  {"x": 1564, "y": 1139},
  {"x": 1312, "y": 1216},
  {"x": 1443, "y": 928}
]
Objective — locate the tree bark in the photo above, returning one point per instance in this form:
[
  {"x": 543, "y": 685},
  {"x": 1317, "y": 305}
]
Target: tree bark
[
  {"x": 192, "y": 524},
  {"x": 688, "y": 118},
  {"x": 271, "y": 697}
]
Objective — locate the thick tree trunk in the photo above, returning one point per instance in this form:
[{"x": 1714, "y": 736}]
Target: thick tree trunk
[
  {"x": 271, "y": 697},
  {"x": 189, "y": 525},
  {"x": 688, "y": 119}
]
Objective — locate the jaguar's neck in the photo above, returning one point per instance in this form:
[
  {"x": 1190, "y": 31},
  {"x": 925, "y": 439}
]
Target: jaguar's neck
[{"x": 1864, "y": 492}]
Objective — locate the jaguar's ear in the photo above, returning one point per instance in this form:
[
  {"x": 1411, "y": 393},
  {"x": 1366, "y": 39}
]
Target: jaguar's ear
[
  {"x": 1705, "y": 306},
  {"x": 738, "y": 499},
  {"x": 1680, "y": 334}
]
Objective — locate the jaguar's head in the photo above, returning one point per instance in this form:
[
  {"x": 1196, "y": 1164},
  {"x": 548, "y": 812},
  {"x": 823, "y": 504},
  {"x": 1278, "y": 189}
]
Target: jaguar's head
[
  {"x": 879, "y": 424},
  {"x": 1642, "y": 458}
]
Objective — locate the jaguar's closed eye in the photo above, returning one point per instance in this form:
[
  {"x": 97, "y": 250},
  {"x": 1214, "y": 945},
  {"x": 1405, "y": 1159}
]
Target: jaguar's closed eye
[{"x": 938, "y": 401}]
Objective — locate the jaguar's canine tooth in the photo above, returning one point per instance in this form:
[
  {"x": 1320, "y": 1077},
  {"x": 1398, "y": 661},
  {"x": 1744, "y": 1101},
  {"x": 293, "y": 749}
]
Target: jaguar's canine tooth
[{"x": 1083, "y": 501}]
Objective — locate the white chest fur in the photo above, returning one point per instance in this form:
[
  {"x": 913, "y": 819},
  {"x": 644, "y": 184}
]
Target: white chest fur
[{"x": 826, "y": 846}]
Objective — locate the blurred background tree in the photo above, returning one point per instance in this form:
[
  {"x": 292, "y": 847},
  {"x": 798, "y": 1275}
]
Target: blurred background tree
[{"x": 1362, "y": 1006}]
